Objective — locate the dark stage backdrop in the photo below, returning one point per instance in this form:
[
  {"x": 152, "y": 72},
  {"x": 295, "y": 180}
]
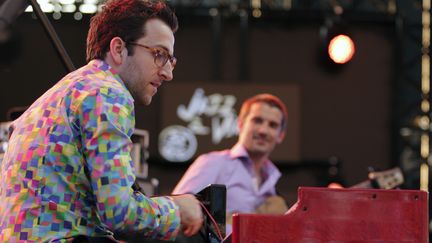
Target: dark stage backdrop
[{"x": 345, "y": 114}]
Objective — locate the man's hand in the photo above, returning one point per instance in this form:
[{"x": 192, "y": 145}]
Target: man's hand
[{"x": 190, "y": 213}]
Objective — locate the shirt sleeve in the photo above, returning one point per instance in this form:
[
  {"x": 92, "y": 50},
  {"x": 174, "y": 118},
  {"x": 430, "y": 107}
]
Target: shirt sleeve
[
  {"x": 107, "y": 120},
  {"x": 202, "y": 172}
]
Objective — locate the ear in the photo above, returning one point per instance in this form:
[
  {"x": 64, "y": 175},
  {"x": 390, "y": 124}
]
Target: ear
[
  {"x": 117, "y": 50},
  {"x": 239, "y": 124},
  {"x": 281, "y": 137}
]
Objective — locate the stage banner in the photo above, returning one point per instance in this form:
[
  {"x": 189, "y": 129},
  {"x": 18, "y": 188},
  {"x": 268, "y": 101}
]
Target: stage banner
[{"x": 198, "y": 118}]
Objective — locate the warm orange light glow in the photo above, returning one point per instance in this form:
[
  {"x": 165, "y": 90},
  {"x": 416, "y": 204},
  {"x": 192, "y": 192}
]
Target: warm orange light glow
[{"x": 341, "y": 49}]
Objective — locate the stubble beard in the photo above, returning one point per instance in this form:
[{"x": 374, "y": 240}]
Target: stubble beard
[{"x": 134, "y": 84}]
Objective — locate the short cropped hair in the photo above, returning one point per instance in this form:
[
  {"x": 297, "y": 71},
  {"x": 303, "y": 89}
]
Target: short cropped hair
[
  {"x": 268, "y": 99},
  {"x": 124, "y": 19}
]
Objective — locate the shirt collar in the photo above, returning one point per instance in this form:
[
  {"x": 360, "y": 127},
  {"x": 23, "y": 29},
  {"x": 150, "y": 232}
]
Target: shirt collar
[
  {"x": 105, "y": 67},
  {"x": 240, "y": 152}
]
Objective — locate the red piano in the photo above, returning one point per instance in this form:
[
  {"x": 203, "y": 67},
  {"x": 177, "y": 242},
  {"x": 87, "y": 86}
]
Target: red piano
[{"x": 341, "y": 215}]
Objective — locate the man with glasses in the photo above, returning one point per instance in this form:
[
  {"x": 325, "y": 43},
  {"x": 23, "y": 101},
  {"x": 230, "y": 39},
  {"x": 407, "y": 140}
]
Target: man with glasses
[{"x": 67, "y": 173}]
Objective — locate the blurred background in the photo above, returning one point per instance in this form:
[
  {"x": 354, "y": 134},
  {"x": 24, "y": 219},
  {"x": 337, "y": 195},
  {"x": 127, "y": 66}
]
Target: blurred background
[{"x": 345, "y": 120}]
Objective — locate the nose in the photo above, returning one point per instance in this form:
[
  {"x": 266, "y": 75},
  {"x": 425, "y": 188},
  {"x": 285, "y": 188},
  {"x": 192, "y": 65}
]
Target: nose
[
  {"x": 263, "y": 129},
  {"x": 166, "y": 72}
]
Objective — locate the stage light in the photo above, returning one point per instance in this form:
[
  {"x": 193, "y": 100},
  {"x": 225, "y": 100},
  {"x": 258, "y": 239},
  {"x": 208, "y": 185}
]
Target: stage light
[
  {"x": 88, "y": 8},
  {"x": 341, "y": 49},
  {"x": 337, "y": 47}
]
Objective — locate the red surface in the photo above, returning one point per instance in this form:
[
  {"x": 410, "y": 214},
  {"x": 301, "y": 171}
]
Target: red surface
[{"x": 341, "y": 215}]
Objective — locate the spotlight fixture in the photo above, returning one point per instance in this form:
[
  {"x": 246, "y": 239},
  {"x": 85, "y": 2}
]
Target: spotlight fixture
[
  {"x": 337, "y": 47},
  {"x": 341, "y": 49}
]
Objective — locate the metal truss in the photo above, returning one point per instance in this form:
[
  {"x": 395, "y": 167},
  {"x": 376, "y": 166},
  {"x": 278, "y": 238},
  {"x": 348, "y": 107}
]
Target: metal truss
[
  {"x": 411, "y": 118},
  {"x": 377, "y": 6}
]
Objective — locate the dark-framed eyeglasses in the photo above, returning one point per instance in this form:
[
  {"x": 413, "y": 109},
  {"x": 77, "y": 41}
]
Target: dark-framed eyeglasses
[{"x": 161, "y": 56}]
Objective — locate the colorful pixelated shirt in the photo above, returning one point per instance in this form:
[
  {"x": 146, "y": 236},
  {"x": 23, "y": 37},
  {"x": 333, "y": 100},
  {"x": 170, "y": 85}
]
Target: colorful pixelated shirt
[{"x": 68, "y": 170}]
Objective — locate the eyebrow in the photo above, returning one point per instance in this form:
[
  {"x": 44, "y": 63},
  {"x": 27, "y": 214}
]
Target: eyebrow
[{"x": 163, "y": 47}]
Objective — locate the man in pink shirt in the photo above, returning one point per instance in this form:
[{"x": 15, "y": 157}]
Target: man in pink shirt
[{"x": 245, "y": 169}]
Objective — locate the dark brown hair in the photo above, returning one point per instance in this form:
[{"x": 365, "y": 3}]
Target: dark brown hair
[{"x": 124, "y": 19}]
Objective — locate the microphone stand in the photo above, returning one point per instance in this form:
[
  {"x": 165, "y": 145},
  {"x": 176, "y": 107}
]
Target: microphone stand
[{"x": 61, "y": 51}]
